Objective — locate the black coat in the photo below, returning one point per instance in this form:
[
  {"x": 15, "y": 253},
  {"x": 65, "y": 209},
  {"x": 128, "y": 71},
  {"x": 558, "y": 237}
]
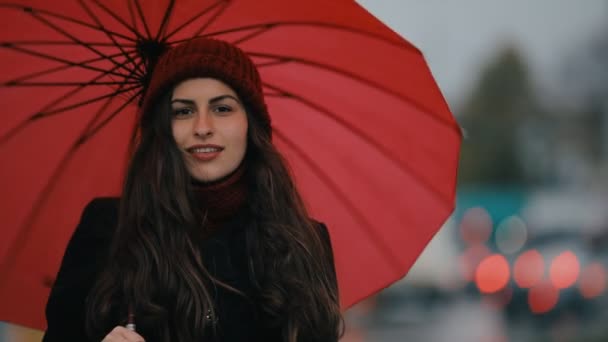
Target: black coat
[{"x": 224, "y": 255}]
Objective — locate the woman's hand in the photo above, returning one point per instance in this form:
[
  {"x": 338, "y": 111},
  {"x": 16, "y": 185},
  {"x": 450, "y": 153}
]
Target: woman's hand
[{"x": 122, "y": 334}]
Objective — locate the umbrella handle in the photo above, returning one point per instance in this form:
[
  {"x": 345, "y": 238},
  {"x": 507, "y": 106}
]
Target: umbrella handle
[{"x": 131, "y": 319}]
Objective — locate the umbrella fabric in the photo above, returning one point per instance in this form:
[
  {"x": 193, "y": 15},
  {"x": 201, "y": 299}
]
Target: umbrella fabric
[{"x": 369, "y": 137}]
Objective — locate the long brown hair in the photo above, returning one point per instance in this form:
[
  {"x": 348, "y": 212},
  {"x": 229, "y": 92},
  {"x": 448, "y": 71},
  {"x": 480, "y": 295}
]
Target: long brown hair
[{"x": 154, "y": 263}]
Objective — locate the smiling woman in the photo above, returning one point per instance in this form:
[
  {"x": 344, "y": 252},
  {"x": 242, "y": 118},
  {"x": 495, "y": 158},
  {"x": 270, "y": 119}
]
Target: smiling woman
[{"x": 210, "y": 240}]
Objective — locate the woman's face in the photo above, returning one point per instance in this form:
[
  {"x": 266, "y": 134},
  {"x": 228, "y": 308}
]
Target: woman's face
[{"x": 209, "y": 125}]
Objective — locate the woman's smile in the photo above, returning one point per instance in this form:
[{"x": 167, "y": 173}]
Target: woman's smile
[{"x": 205, "y": 152}]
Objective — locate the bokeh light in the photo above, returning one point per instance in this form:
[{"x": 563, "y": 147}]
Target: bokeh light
[
  {"x": 543, "y": 297},
  {"x": 470, "y": 259},
  {"x": 564, "y": 270},
  {"x": 476, "y": 226},
  {"x": 529, "y": 269},
  {"x": 592, "y": 282},
  {"x": 492, "y": 274},
  {"x": 511, "y": 235}
]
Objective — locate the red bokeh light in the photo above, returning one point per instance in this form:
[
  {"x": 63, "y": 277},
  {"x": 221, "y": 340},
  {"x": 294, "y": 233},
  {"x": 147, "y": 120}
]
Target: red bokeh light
[
  {"x": 592, "y": 282},
  {"x": 564, "y": 270},
  {"x": 543, "y": 297},
  {"x": 528, "y": 269},
  {"x": 492, "y": 274}
]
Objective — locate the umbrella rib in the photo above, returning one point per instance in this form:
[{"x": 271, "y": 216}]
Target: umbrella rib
[
  {"x": 120, "y": 20},
  {"x": 197, "y": 16},
  {"x": 66, "y": 84},
  {"x": 274, "y": 24},
  {"x": 60, "y": 60},
  {"x": 68, "y": 35},
  {"x": 269, "y": 64},
  {"x": 21, "y": 239},
  {"x": 73, "y": 106},
  {"x": 86, "y": 102},
  {"x": 282, "y": 59},
  {"x": 359, "y": 133},
  {"x": 211, "y": 20},
  {"x": 253, "y": 34},
  {"x": 31, "y": 10},
  {"x": 52, "y": 70},
  {"x": 142, "y": 17},
  {"x": 55, "y": 43},
  {"x": 42, "y": 115},
  {"x": 106, "y": 32},
  {"x": 120, "y": 108},
  {"x": 132, "y": 15},
  {"x": 86, "y": 133},
  {"x": 107, "y": 120},
  {"x": 165, "y": 21},
  {"x": 380, "y": 244},
  {"x": 73, "y": 92},
  {"x": 257, "y": 30}
]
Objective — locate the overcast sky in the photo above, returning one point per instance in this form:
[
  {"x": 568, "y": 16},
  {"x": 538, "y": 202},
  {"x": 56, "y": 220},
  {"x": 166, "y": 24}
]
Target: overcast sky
[{"x": 458, "y": 36}]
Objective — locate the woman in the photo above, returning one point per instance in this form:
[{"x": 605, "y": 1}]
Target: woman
[{"x": 210, "y": 240}]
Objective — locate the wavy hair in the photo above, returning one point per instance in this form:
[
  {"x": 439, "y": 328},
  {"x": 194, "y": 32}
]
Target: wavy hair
[{"x": 154, "y": 264}]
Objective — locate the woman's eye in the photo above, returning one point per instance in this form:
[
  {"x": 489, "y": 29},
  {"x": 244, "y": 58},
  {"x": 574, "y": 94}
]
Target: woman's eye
[
  {"x": 222, "y": 109},
  {"x": 182, "y": 111}
]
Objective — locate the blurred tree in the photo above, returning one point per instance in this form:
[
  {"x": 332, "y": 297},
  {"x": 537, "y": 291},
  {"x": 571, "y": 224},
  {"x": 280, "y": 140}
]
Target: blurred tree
[
  {"x": 492, "y": 119},
  {"x": 586, "y": 76}
]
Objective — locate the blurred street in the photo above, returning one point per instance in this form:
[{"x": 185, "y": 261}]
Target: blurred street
[{"x": 524, "y": 257}]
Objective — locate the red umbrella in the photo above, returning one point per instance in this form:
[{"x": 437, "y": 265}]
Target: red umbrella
[{"x": 355, "y": 109}]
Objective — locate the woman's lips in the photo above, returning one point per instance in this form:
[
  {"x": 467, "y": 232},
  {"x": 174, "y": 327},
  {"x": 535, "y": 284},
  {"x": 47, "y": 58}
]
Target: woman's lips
[
  {"x": 205, "y": 156},
  {"x": 205, "y": 152}
]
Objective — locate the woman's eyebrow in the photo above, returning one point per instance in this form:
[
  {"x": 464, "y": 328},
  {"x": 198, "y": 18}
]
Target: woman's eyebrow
[
  {"x": 183, "y": 101},
  {"x": 211, "y": 101},
  {"x": 222, "y": 97}
]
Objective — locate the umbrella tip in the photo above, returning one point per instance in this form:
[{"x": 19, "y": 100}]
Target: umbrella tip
[{"x": 150, "y": 50}]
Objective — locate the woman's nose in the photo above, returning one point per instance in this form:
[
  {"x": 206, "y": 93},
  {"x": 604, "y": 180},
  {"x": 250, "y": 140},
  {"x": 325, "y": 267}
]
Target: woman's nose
[{"x": 203, "y": 125}]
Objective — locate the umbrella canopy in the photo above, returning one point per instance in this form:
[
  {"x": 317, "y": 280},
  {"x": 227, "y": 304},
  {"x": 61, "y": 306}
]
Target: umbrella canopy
[{"x": 369, "y": 137}]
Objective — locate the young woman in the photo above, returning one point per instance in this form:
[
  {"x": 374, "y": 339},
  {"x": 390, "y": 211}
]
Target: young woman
[{"x": 210, "y": 240}]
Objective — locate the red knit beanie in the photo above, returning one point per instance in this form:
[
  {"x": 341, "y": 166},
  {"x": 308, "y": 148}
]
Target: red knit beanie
[{"x": 205, "y": 57}]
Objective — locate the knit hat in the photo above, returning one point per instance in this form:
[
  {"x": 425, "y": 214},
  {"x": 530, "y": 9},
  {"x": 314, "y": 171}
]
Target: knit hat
[{"x": 205, "y": 57}]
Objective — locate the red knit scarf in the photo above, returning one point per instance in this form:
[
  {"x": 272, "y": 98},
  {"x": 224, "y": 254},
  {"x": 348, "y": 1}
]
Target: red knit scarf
[{"x": 220, "y": 200}]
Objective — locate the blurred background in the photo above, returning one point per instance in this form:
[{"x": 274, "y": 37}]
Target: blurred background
[{"x": 524, "y": 257}]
